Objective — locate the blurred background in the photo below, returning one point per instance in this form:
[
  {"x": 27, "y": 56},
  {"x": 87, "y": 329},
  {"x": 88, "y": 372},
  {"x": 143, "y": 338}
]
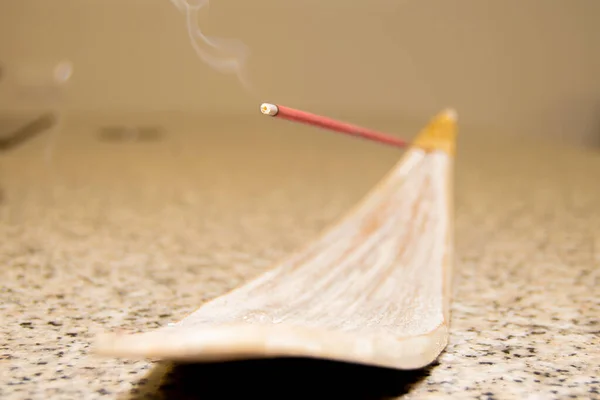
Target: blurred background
[{"x": 516, "y": 67}]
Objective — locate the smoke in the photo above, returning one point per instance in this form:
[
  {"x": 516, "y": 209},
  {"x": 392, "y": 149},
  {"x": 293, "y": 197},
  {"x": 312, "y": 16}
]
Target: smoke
[{"x": 224, "y": 55}]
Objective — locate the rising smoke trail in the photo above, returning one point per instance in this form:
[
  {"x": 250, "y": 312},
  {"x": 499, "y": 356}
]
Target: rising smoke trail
[{"x": 223, "y": 55}]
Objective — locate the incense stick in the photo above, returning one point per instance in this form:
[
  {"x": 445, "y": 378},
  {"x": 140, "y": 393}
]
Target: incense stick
[{"x": 291, "y": 114}]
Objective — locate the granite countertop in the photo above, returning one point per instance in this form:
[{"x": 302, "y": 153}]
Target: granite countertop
[{"x": 112, "y": 232}]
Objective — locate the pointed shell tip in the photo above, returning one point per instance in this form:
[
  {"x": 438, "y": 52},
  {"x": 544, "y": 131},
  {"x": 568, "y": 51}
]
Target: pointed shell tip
[{"x": 451, "y": 114}]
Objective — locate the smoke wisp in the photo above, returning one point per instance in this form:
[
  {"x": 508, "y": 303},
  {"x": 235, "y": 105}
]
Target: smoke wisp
[{"x": 224, "y": 55}]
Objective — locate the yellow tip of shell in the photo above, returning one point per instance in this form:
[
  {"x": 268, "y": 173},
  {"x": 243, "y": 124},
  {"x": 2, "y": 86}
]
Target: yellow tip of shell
[
  {"x": 451, "y": 113},
  {"x": 440, "y": 133}
]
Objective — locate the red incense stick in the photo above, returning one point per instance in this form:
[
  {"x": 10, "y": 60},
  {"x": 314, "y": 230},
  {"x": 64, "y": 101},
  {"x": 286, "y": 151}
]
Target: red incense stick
[{"x": 327, "y": 123}]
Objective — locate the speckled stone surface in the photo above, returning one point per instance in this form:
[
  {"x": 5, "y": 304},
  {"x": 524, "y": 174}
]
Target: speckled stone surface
[{"x": 121, "y": 234}]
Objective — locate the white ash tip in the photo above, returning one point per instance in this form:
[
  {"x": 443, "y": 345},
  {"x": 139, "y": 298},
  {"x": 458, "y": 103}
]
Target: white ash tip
[{"x": 269, "y": 109}]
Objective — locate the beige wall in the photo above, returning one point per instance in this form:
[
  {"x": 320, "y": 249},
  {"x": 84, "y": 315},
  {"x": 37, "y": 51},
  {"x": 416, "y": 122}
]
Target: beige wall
[{"x": 520, "y": 65}]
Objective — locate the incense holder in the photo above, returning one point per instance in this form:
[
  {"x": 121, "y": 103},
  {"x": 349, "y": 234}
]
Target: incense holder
[{"x": 372, "y": 289}]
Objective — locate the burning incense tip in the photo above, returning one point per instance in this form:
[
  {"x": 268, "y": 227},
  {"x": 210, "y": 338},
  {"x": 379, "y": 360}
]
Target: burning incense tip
[
  {"x": 269, "y": 109},
  {"x": 319, "y": 121}
]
